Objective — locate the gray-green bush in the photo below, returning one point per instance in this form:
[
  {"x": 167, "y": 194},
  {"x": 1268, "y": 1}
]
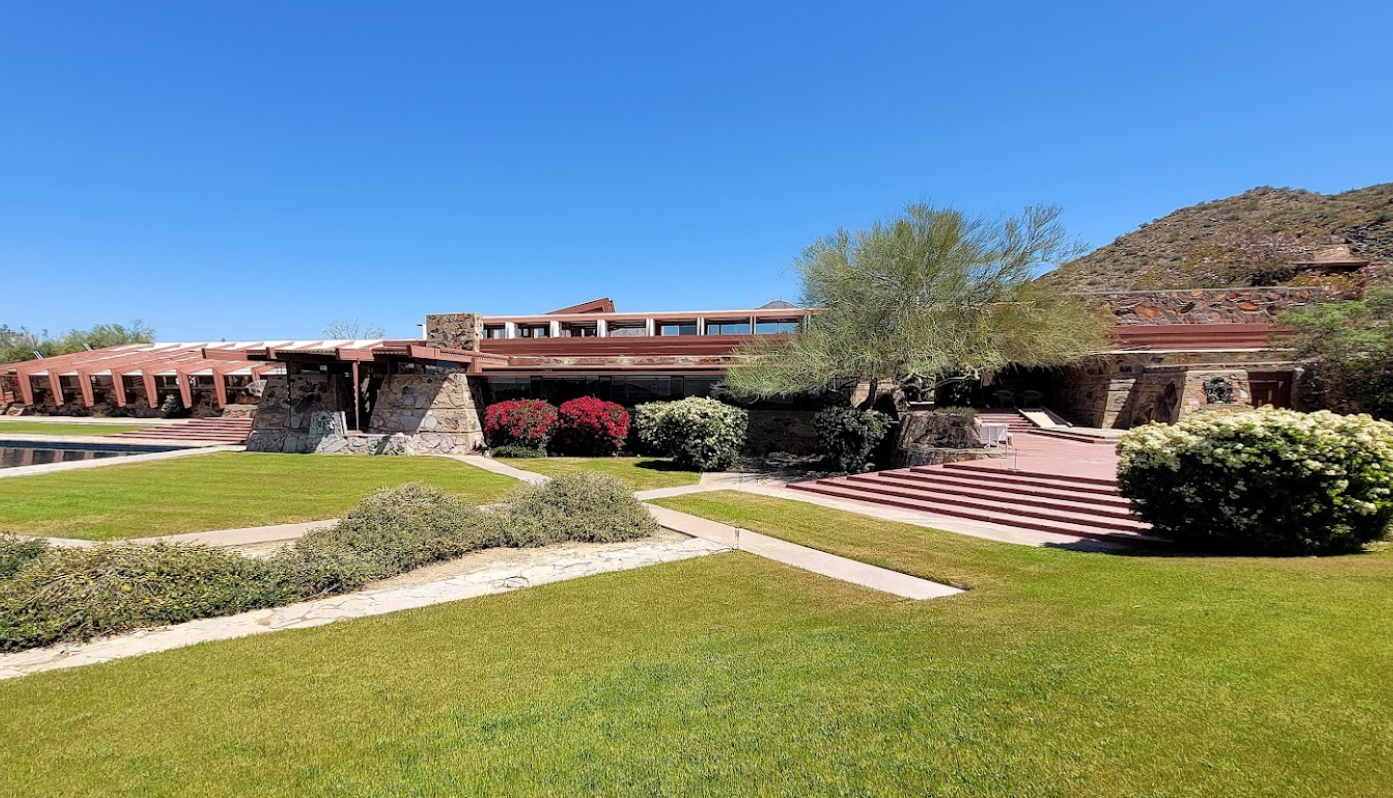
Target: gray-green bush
[
  {"x": 80, "y": 593},
  {"x": 55, "y": 595},
  {"x": 585, "y": 507},
  {"x": 17, "y": 551}
]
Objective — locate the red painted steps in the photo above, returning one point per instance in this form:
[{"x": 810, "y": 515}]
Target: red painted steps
[
  {"x": 216, "y": 430},
  {"x": 998, "y": 471},
  {"x": 1004, "y": 501},
  {"x": 1045, "y": 497},
  {"x": 1064, "y": 504}
]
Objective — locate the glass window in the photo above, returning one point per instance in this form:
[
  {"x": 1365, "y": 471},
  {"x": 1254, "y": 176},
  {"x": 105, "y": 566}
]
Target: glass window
[
  {"x": 534, "y": 330},
  {"x": 578, "y": 330},
  {"x": 677, "y": 328},
  {"x": 495, "y": 331},
  {"x": 727, "y": 328},
  {"x": 627, "y": 329},
  {"x": 776, "y": 327}
]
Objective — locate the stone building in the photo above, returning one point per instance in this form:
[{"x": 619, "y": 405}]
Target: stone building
[{"x": 1175, "y": 353}]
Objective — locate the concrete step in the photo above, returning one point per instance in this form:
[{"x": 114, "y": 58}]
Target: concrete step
[
  {"x": 1057, "y": 525},
  {"x": 1072, "y": 512},
  {"x": 1029, "y": 474},
  {"x": 951, "y": 483},
  {"x": 1071, "y": 436},
  {"x": 1016, "y": 478}
]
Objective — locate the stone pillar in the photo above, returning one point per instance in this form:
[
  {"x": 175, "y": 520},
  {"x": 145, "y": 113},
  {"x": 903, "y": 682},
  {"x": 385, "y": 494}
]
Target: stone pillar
[{"x": 455, "y": 330}]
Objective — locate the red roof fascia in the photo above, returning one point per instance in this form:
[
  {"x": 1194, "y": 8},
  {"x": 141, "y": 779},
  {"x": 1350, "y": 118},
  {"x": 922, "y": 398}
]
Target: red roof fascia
[{"x": 601, "y": 305}]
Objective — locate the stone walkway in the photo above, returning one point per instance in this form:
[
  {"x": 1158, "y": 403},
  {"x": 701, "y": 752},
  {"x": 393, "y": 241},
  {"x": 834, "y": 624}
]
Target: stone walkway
[{"x": 484, "y": 573}]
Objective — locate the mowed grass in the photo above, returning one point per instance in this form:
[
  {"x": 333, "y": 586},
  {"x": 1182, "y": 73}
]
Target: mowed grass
[
  {"x": 640, "y": 473},
  {"x": 58, "y": 428},
  {"x": 1059, "y": 674},
  {"x": 219, "y": 491}
]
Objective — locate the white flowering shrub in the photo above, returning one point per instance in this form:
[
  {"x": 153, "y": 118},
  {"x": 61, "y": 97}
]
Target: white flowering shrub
[
  {"x": 699, "y": 434},
  {"x": 1263, "y": 481}
]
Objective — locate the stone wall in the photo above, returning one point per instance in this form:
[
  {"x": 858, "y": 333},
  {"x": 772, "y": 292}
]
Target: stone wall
[
  {"x": 440, "y": 412},
  {"x": 926, "y": 437},
  {"x": 1129, "y": 390},
  {"x": 1214, "y": 305},
  {"x": 414, "y": 414},
  {"x": 454, "y": 330},
  {"x": 789, "y": 431}
]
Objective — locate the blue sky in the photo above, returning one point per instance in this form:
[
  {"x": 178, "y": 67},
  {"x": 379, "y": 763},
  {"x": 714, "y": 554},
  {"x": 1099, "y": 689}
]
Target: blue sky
[{"x": 253, "y": 170}]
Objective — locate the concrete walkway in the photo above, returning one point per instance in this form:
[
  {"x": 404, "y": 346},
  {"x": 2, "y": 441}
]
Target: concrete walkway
[
  {"x": 490, "y": 464},
  {"x": 497, "y": 571},
  {"x": 802, "y": 557}
]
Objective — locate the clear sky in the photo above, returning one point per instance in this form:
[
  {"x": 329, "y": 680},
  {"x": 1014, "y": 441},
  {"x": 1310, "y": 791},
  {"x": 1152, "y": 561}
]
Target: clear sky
[{"x": 253, "y": 170}]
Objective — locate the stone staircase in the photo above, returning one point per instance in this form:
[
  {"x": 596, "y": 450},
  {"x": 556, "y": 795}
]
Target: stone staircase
[
  {"x": 198, "y": 430},
  {"x": 1081, "y": 506}
]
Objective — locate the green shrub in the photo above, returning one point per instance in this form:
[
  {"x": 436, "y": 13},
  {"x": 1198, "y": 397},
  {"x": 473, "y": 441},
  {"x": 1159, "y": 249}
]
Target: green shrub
[
  {"x": 17, "y": 551},
  {"x": 847, "y": 436},
  {"x": 584, "y": 507},
  {"x": 517, "y": 451},
  {"x": 1263, "y": 481},
  {"x": 700, "y": 434},
  {"x": 172, "y": 407},
  {"x": 81, "y": 593}
]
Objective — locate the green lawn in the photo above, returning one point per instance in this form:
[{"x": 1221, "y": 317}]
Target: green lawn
[
  {"x": 642, "y": 473},
  {"x": 1059, "y": 674},
  {"x": 59, "y": 428},
  {"x": 219, "y": 491}
]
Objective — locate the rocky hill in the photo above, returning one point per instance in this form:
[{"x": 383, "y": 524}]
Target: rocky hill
[{"x": 1248, "y": 239}]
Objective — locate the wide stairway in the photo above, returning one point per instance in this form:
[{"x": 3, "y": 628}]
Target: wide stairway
[
  {"x": 1066, "y": 504},
  {"x": 198, "y": 430}
]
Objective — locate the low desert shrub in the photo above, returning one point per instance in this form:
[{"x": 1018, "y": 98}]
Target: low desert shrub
[
  {"x": 74, "y": 594},
  {"x": 529, "y": 423},
  {"x": 584, "y": 507},
  {"x": 848, "y": 436},
  {"x": 591, "y": 427},
  {"x": 389, "y": 532},
  {"x": 17, "y": 551},
  {"x": 1263, "y": 481},
  {"x": 81, "y": 593},
  {"x": 517, "y": 451},
  {"x": 700, "y": 434}
]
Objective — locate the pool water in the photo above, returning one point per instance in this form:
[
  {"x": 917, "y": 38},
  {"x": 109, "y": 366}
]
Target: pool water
[{"x": 16, "y": 454}]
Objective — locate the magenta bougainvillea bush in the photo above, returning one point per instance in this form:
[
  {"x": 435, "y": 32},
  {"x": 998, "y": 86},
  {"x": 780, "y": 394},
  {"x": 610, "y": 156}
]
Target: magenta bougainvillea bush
[
  {"x": 528, "y": 423},
  {"x": 592, "y": 427}
]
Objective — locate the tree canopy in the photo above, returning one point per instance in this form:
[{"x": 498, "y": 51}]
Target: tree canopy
[
  {"x": 1350, "y": 345},
  {"x": 352, "y": 329},
  {"x": 931, "y": 295},
  {"x": 17, "y": 344}
]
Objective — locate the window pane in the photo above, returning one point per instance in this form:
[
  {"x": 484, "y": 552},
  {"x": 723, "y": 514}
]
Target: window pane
[
  {"x": 775, "y": 327},
  {"x": 728, "y": 328}
]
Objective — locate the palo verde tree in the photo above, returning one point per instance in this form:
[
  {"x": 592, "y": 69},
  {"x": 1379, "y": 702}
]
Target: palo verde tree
[
  {"x": 1350, "y": 346},
  {"x": 928, "y": 297}
]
